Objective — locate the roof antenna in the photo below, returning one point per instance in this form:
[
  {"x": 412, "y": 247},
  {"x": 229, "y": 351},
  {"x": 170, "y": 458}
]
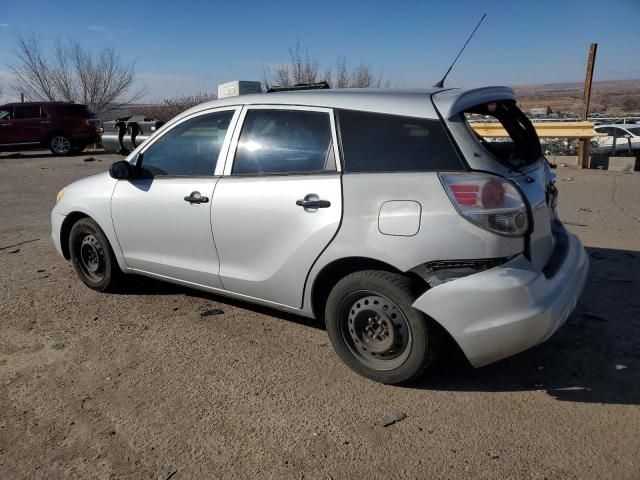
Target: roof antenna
[{"x": 440, "y": 84}]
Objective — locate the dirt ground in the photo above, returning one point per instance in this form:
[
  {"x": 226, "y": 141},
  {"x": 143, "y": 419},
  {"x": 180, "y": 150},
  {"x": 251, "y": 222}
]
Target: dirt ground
[{"x": 140, "y": 385}]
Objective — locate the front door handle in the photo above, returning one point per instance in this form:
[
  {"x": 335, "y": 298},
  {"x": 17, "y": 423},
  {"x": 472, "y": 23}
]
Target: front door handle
[
  {"x": 313, "y": 203},
  {"x": 196, "y": 197}
]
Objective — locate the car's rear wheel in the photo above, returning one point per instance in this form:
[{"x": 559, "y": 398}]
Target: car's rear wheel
[
  {"x": 375, "y": 330},
  {"x": 92, "y": 256},
  {"x": 60, "y": 145}
]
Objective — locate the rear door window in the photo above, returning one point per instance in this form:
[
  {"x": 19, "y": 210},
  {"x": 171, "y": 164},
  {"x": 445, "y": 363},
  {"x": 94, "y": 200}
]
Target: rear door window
[
  {"x": 284, "y": 141},
  {"x": 374, "y": 142},
  {"x": 26, "y": 112},
  {"x": 521, "y": 146}
]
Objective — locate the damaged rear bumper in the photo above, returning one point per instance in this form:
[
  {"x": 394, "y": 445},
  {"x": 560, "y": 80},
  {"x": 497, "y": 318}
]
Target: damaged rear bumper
[{"x": 507, "y": 309}]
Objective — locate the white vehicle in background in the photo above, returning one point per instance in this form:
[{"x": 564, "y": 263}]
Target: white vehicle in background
[{"x": 626, "y": 137}]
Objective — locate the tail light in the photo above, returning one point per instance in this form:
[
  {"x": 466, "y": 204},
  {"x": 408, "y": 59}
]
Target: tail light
[{"x": 488, "y": 201}]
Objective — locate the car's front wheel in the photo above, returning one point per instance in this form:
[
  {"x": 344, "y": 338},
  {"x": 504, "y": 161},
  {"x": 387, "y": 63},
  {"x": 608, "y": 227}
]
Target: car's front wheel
[
  {"x": 375, "y": 330},
  {"x": 60, "y": 145},
  {"x": 92, "y": 256}
]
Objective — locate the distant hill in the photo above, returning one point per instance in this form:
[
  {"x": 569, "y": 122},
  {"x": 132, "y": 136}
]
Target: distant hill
[{"x": 611, "y": 97}]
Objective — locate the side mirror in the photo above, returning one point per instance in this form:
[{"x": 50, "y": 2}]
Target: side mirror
[{"x": 121, "y": 170}]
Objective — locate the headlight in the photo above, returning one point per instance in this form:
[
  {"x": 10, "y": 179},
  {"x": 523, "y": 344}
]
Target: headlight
[{"x": 60, "y": 194}]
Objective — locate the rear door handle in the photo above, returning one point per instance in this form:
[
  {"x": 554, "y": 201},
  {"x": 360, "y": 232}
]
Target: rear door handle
[
  {"x": 196, "y": 197},
  {"x": 313, "y": 203}
]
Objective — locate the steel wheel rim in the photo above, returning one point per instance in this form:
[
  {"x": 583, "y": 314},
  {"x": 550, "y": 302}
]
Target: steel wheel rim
[
  {"x": 375, "y": 330},
  {"x": 90, "y": 258},
  {"x": 60, "y": 144}
]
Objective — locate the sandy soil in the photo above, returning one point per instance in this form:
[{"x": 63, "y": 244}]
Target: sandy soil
[{"x": 139, "y": 385}]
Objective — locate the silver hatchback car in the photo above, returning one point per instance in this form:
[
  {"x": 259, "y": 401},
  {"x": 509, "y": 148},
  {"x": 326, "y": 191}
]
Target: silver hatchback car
[{"x": 380, "y": 212}]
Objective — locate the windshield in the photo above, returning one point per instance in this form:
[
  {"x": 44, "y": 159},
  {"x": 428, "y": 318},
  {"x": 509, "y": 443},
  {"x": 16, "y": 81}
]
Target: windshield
[
  {"x": 4, "y": 114},
  {"x": 634, "y": 131},
  {"x": 516, "y": 143}
]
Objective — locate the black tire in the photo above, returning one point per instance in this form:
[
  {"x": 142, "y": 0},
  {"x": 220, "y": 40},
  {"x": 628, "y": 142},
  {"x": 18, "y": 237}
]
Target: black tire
[
  {"x": 359, "y": 314},
  {"x": 92, "y": 256},
  {"x": 60, "y": 144}
]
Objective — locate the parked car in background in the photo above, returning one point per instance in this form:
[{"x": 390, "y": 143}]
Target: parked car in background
[
  {"x": 625, "y": 135},
  {"x": 62, "y": 127},
  {"x": 381, "y": 213}
]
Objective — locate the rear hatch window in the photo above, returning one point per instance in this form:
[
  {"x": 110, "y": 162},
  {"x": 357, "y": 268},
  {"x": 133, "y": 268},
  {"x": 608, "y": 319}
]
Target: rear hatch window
[
  {"x": 516, "y": 146},
  {"x": 521, "y": 147}
]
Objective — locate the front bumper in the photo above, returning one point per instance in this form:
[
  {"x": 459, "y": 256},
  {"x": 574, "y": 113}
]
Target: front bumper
[{"x": 507, "y": 309}]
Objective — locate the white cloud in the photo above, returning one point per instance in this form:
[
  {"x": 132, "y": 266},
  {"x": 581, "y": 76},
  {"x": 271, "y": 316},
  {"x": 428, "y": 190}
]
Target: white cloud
[
  {"x": 4, "y": 24},
  {"x": 98, "y": 28}
]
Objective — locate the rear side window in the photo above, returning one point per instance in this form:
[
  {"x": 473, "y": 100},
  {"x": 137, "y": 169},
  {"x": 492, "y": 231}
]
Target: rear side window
[
  {"x": 374, "y": 142},
  {"x": 284, "y": 141},
  {"x": 28, "y": 111},
  {"x": 188, "y": 149},
  {"x": 81, "y": 111}
]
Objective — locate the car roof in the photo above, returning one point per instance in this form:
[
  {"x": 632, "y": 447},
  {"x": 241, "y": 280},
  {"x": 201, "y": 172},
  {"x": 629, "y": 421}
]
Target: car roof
[
  {"x": 18, "y": 104},
  {"x": 413, "y": 103},
  {"x": 619, "y": 125},
  {"x": 406, "y": 102}
]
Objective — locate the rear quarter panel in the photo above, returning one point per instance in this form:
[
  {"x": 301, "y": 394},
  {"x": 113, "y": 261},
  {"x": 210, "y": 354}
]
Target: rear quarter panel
[{"x": 442, "y": 233}]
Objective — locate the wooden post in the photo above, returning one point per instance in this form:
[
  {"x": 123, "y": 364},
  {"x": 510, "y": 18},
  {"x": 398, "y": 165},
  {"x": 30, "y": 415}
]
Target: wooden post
[{"x": 585, "y": 146}]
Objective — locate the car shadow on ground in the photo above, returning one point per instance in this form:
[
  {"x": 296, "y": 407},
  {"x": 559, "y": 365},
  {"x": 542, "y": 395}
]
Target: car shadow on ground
[
  {"x": 148, "y": 286},
  {"x": 594, "y": 357}
]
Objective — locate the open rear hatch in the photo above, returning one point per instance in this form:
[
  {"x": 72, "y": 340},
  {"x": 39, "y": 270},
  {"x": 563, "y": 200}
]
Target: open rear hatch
[{"x": 516, "y": 156}]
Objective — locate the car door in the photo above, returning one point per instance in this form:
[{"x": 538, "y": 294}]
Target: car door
[
  {"x": 162, "y": 216},
  {"x": 279, "y": 203},
  {"x": 27, "y": 125}
]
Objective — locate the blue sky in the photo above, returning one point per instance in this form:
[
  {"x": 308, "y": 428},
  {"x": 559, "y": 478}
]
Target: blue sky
[{"x": 185, "y": 46}]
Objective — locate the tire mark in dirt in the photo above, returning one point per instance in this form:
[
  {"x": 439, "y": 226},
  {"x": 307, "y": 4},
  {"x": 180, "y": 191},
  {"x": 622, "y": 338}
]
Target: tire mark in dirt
[{"x": 20, "y": 243}]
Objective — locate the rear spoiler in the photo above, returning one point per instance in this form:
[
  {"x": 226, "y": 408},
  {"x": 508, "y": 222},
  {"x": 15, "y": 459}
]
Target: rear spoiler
[{"x": 453, "y": 101}]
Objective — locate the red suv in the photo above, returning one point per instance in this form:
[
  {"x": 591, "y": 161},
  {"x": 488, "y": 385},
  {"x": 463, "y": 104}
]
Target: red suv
[{"x": 63, "y": 127}]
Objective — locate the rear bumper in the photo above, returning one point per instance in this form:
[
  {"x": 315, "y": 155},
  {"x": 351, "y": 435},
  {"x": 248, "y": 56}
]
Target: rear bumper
[
  {"x": 507, "y": 309},
  {"x": 87, "y": 137}
]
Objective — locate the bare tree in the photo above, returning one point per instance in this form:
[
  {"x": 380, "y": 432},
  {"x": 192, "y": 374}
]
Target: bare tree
[
  {"x": 305, "y": 69},
  {"x": 73, "y": 74},
  {"x": 170, "y": 107},
  {"x": 342, "y": 74}
]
